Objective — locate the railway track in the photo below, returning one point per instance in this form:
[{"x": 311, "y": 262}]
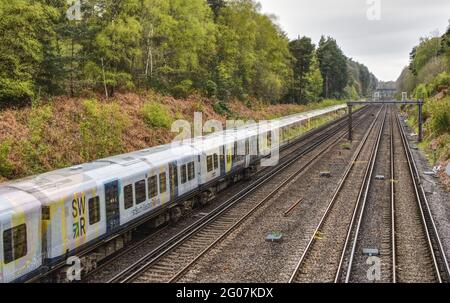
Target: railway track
[
  {"x": 407, "y": 253},
  {"x": 290, "y": 150},
  {"x": 320, "y": 262},
  {"x": 170, "y": 261},
  {"x": 414, "y": 253},
  {"x": 400, "y": 223},
  {"x": 369, "y": 200}
]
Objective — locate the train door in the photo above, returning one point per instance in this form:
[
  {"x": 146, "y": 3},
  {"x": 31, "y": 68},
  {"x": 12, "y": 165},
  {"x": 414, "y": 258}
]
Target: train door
[
  {"x": 222, "y": 161},
  {"x": 247, "y": 152},
  {"x": 173, "y": 179},
  {"x": 112, "y": 206}
]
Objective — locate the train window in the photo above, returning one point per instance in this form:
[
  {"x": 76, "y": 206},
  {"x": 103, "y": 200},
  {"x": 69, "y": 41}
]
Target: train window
[
  {"x": 162, "y": 183},
  {"x": 14, "y": 243},
  {"x": 216, "y": 161},
  {"x": 139, "y": 191},
  {"x": 94, "y": 210},
  {"x": 269, "y": 139},
  {"x": 235, "y": 151},
  {"x": 191, "y": 171},
  {"x": 209, "y": 163},
  {"x": 45, "y": 213},
  {"x": 183, "y": 174},
  {"x": 247, "y": 147},
  {"x": 152, "y": 187},
  {"x": 128, "y": 196}
]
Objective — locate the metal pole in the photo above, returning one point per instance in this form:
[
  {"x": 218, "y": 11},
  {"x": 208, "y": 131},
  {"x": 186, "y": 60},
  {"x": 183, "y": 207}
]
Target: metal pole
[
  {"x": 420, "y": 121},
  {"x": 350, "y": 122}
]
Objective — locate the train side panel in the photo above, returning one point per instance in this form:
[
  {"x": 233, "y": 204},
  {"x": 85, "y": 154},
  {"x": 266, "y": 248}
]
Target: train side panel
[
  {"x": 210, "y": 165},
  {"x": 74, "y": 221},
  {"x": 20, "y": 236}
]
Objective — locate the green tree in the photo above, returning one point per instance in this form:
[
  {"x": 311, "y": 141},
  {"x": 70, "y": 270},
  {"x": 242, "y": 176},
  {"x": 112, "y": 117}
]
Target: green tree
[
  {"x": 253, "y": 57},
  {"x": 333, "y": 66},
  {"x": 118, "y": 50},
  {"x": 178, "y": 43},
  {"x": 216, "y": 6},
  {"x": 314, "y": 81},
  {"x": 27, "y": 38},
  {"x": 427, "y": 49},
  {"x": 302, "y": 51}
]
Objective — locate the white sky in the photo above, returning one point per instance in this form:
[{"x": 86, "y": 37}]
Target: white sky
[{"x": 382, "y": 45}]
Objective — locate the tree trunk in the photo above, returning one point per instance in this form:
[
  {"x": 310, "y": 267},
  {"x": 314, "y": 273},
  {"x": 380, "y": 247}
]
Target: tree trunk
[{"x": 104, "y": 79}]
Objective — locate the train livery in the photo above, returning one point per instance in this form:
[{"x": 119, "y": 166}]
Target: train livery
[{"x": 94, "y": 207}]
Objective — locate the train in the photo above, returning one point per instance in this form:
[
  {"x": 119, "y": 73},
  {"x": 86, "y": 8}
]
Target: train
[{"x": 90, "y": 210}]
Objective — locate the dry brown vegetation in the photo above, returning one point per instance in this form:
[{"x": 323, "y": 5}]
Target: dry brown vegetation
[{"x": 70, "y": 131}]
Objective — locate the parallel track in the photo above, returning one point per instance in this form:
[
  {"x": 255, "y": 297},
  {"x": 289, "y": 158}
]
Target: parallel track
[
  {"x": 170, "y": 261},
  {"x": 416, "y": 252},
  {"x": 439, "y": 263},
  {"x": 329, "y": 233},
  {"x": 289, "y": 150},
  {"x": 331, "y": 126}
]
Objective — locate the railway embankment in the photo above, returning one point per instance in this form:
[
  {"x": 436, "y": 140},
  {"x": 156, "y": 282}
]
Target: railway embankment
[{"x": 66, "y": 131}]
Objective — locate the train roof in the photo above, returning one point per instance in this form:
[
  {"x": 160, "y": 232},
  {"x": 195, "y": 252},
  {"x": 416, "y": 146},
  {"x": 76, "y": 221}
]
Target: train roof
[{"x": 13, "y": 200}]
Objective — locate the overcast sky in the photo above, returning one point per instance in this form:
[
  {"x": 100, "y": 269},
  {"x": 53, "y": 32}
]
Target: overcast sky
[{"x": 383, "y": 45}]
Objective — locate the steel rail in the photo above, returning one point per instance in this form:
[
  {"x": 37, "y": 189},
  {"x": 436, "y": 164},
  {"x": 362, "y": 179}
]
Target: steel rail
[
  {"x": 392, "y": 189},
  {"x": 363, "y": 194},
  {"x": 426, "y": 214},
  {"x": 333, "y": 200}
]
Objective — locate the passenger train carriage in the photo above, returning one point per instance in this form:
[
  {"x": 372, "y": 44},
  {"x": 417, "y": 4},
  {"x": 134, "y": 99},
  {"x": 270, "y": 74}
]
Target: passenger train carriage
[{"x": 94, "y": 207}]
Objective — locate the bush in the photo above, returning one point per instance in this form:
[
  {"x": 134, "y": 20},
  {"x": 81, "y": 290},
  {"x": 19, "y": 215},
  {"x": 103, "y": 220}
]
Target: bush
[
  {"x": 211, "y": 88},
  {"x": 156, "y": 115},
  {"x": 421, "y": 92},
  {"x": 6, "y": 167},
  {"x": 439, "y": 121},
  {"x": 35, "y": 150},
  {"x": 439, "y": 83},
  {"x": 221, "y": 108},
  {"x": 183, "y": 89},
  {"x": 102, "y": 127}
]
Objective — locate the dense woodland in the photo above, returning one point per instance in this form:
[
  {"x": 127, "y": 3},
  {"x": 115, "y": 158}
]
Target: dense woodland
[{"x": 216, "y": 48}]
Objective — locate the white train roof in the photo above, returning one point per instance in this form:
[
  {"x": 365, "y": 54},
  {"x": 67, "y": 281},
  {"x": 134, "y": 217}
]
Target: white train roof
[{"x": 14, "y": 201}]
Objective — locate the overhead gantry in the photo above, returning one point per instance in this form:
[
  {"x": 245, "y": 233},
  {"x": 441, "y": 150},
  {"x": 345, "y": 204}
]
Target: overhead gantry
[{"x": 419, "y": 104}]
